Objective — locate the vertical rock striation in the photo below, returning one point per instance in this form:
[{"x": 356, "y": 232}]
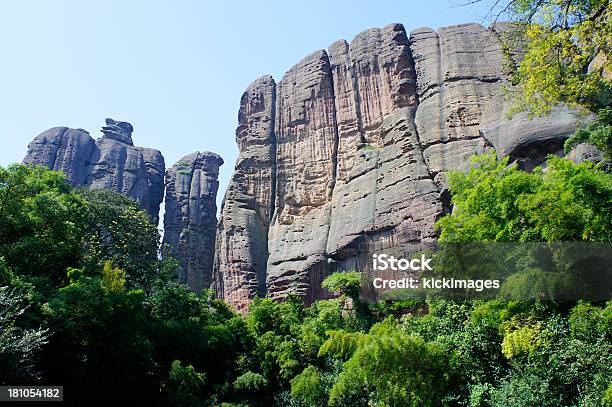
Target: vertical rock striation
[
  {"x": 133, "y": 171},
  {"x": 346, "y": 156},
  {"x": 306, "y": 148},
  {"x": 384, "y": 198},
  {"x": 242, "y": 235},
  {"x": 190, "y": 217},
  {"x": 63, "y": 149},
  {"x": 110, "y": 162}
]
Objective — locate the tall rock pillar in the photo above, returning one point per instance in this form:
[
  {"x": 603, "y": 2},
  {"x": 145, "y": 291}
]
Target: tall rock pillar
[
  {"x": 242, "y": 237},
  {"x": 191, "y": 216}
]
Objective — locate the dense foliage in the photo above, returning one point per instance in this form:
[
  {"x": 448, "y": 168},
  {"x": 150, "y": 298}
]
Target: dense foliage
[
  {"x": 559, "y": 54},
  {"x": 566, "y": 46},
  {"x": 597, "y": 133},
  {"x": 498, "y": 202},
  {"x": 87, "y": 302}
]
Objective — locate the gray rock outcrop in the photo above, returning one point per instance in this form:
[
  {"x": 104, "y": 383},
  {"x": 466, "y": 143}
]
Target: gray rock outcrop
[
  {"x": 346, "y": 156},
  {"x": 306, "y": 146},
  {"x": 190, "y": 219},
  {"x": 583, "y": 152},
  {"x": 110, "y": 162},
  {"x": 530, "y": 141}
]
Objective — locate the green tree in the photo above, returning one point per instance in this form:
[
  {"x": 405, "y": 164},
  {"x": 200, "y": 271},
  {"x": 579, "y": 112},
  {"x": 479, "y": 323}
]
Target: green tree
[
  {"x": 41, "y": 224},
  {"x": 347, "y": 283},
  {"x": 120, "y": 232},
  {"x": 393, "y": 368},
  {"x": 197, "y": 330},
  {"x": 561, "y": 370},
  {"x": 308, "y": 387},
  {"x": 185, "y": 386},
  {"x": 98, "y": 340},
  {"x": 497, "y": 202},
  {"x": 597, "y": 133},
  {"x": 46, "y": 227},
  {"x": 566, "y": 54},
  {"x": 113, "y": 279},
  {"x": 18, "y": 346},
  {"x": 250, "y": 383}
]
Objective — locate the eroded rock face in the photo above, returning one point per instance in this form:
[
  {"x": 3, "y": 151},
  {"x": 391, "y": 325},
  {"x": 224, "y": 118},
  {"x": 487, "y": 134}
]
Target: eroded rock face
[
  {"x": 63, "y": 149},
  {"x": 384, "y": 197},
  {"x": 190, "y": 219},
  {"x": 529, "y": 142},
  {"x": 306, "y": 144},
  {"x": 242, "y": 235},
  {"x": 459, "y": 73},
  {"x": 120, "y": 131},
  {"x": 110, "y": 162},
  {"x": 347, "y": 155}
]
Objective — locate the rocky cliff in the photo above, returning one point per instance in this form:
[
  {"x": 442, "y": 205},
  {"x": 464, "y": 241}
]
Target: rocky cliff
[
  {"x": 346, "y": 155},
  {"x": 110, "y": 162},
  {"x": 343, "y": 158},
  {"x": 113, "y": 162},
  {"x": 242, "y": 236},
  {"x": 190, "y": 219}
]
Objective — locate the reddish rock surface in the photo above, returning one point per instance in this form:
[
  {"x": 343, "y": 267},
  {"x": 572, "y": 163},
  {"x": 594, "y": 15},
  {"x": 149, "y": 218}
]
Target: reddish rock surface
[
  {"x": 346, "y": 156},
  {"x": 242, "y": 235}
]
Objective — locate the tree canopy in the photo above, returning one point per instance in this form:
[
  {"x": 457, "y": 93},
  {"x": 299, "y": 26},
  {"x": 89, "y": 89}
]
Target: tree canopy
[{"x": 93, "y": 307}]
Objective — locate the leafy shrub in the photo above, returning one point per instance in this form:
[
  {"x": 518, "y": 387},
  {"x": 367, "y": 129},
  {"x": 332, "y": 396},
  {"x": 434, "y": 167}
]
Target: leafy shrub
[
  {"x": 185, "y": 385},
  {"x": 523, "y": 340},
  {"x": 347, "y": 283},
  {"x": 308, "y": 386},
  {"x": 250, "y": 382}
]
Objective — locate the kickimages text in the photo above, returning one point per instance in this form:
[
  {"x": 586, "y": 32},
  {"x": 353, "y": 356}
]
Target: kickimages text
[
  {"x": 435, "y": 283},
  {"x": 384, "y": 262}
]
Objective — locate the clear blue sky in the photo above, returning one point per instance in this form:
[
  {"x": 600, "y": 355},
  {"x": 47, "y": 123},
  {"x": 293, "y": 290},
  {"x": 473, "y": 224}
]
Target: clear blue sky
[{"x": 174, "y": 69}]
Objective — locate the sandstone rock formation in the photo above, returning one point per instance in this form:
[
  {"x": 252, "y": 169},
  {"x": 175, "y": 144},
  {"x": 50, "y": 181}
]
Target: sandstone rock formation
[
  {"x": 242, "y": 237},
  {"x": 385, "y": 198},
  {"x": 306, "y": 146},
  {"x": 346, "y": 156},
  {"x": 110, "y": 162},
  {"x": 190, "y": 219}
]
